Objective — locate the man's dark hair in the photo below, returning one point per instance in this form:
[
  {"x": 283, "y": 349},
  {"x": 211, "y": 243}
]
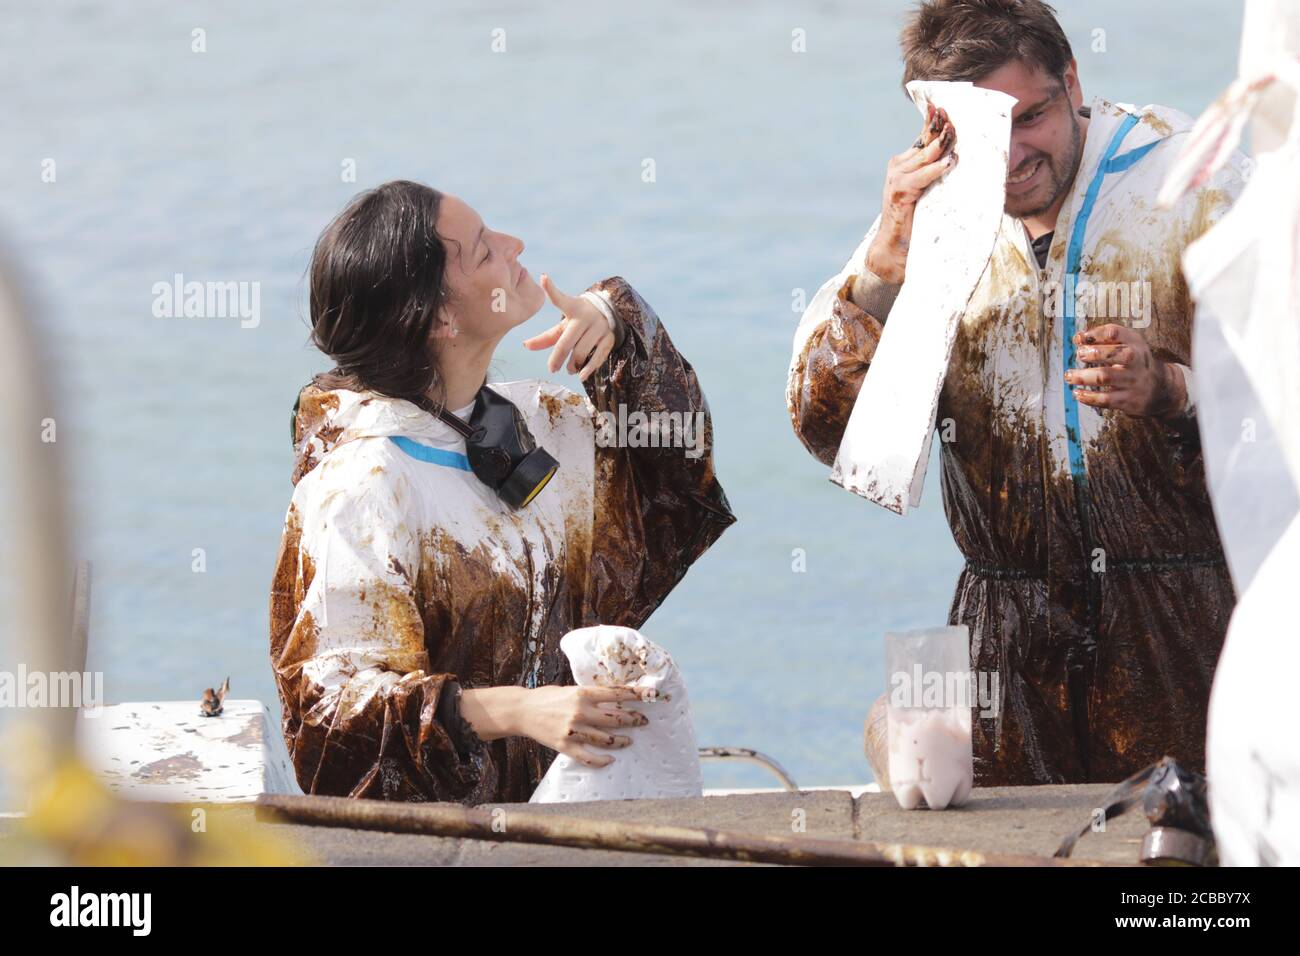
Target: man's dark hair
[{"x": 969, "y": 39}]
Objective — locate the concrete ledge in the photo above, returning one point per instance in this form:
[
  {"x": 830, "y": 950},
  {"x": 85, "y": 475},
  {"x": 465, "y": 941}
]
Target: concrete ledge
[
  {"x": 1030, "y": 820},
  {"x": 164, "y": 750}
]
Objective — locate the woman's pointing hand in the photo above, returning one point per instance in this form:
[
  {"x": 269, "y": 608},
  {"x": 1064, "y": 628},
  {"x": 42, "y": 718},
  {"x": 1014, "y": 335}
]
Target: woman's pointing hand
[{"x": 582, "y": 337}]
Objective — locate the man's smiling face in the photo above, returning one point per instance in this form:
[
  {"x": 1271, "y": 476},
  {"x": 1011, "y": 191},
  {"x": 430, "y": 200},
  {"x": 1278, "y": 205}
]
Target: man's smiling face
[{"x": 1046, "y": 136}]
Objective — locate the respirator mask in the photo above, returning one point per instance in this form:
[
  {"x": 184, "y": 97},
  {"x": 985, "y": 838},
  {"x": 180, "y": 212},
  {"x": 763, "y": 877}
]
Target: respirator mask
[{"x": 501, "y": 450}]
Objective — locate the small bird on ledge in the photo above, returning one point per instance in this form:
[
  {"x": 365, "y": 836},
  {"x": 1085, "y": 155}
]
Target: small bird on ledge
[{"x": 211, "y": 704}]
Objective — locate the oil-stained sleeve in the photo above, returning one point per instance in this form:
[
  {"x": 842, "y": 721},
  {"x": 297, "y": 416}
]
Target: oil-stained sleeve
[
  {"x": 831, "y": 358},
  {"x": 657, "y": 502},
  {"x": 363, "y": 716}
]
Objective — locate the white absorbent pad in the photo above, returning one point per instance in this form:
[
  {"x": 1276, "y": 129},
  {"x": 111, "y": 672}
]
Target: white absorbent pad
[
  {"x": 886, "y": 446},
  {"x": 663, "y": 760}
]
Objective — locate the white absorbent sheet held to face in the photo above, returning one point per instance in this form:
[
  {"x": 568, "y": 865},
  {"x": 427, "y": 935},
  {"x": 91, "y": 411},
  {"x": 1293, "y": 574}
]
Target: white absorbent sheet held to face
[
  {"x": 886, "y": 446},
  {"x": 663, "y": 760}
]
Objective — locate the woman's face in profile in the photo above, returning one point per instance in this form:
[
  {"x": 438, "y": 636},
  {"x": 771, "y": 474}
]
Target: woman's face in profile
[{"x": 491, "y": 291}]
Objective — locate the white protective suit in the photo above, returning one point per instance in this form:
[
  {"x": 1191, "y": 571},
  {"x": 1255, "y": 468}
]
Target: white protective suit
[
  {"x": 402, "y": 578},
  {"x": 1095, "y": 586},
  {"x": 1245, "y": 275}
]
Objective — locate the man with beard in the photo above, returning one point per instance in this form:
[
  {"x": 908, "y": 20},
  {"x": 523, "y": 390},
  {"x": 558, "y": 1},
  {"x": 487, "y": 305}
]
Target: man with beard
[{"x": 1095, "y": 587}]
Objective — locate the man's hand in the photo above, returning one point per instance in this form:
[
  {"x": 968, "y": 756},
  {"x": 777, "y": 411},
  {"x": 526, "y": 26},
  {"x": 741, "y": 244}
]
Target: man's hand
[
  {"x": 1132, "y": 378},
  {"x": 909, "y": 174}
]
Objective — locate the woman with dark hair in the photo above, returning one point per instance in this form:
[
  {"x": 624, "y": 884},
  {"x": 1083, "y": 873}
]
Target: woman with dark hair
[{"x": 444, "y": 533}]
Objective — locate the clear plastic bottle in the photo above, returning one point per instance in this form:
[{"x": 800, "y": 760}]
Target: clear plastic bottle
[{"x": 929, "y": 712}]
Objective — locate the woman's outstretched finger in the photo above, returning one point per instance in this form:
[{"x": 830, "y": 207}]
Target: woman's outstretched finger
[
  {"x": 568, "y": 338},
  {"x": 584, "y": 348},
  {"x": 546, "y": 339},
  {"x": 597, "y": 358},
  {"x": 561, "y": 300}
]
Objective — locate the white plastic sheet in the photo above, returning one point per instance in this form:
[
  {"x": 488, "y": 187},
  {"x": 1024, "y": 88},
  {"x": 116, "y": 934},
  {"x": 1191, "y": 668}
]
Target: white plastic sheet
[
  {"x": 886, "y": 446},
  {"x": 1245, "y": 276},
  {"x": 664, "y": 759}
]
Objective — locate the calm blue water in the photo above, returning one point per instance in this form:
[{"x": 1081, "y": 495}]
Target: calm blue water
[{"x": 225, "y": 165}]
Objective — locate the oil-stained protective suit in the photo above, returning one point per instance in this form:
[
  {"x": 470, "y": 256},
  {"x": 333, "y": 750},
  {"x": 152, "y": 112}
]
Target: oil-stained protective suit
[
  {"x": 402, "y": 578},
  {"x": 1094, "y": 587}
]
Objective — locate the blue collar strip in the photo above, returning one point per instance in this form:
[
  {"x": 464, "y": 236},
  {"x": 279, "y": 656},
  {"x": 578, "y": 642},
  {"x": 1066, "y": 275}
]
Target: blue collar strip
[{"x": 431, "y": 455}]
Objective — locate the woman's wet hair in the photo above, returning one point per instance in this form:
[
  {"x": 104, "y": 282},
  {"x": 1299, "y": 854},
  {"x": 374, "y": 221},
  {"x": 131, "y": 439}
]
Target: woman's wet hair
[
  {"x": 377, "y": 282},
  {"x": 966, "y": 40}
]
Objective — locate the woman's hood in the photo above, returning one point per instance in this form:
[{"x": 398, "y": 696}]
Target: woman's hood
[{"x": 326, "y": 418}]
